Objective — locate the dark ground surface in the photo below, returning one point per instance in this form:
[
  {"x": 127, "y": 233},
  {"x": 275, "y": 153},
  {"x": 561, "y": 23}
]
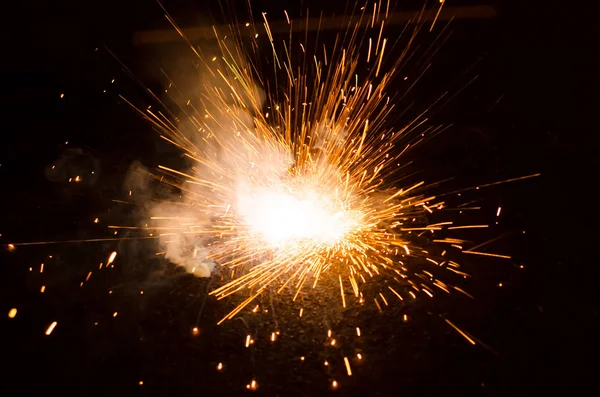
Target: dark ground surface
[{"x": 525, "y": 113}]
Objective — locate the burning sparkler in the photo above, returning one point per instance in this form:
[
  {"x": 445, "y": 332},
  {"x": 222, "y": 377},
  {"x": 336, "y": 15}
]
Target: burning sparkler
[
  {"x": 297, "y": 185},
  {"x": 294, "y": 183}
]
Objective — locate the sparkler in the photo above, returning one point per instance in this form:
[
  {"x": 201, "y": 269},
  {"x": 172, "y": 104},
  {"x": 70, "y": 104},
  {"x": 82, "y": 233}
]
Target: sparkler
[{"x": 295, "y": 182}]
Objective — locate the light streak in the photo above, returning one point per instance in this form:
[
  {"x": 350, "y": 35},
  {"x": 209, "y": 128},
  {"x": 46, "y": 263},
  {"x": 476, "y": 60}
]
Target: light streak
[
  {"x": 51, "y": 327},
  {"x": 467, "y": 337},
  {"x": 348, "y": 369},
  {"x": 487, "y": 254}
]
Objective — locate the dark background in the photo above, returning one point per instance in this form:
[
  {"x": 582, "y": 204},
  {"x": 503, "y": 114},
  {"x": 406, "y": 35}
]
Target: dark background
[{"x": 526, "y": 112}]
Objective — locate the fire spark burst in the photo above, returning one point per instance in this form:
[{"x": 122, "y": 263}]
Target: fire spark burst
[{"x": 295, "y": 180}]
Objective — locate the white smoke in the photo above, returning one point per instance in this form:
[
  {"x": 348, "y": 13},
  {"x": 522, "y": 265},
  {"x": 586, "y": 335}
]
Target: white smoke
[{"x": 238, "y": 155}]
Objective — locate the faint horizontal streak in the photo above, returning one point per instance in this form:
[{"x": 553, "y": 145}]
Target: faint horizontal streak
[{"x": 196, "y": 33}]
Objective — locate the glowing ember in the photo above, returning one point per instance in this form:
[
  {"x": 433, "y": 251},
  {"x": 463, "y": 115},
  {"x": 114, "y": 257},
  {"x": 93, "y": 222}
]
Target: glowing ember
[
  {"x": 348, "y": 368},
  {"x": 252, "y": 386},
  {"x": 51, "y": 327}
]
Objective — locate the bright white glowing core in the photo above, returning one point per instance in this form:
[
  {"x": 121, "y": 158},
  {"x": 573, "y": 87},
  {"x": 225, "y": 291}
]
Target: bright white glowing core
[{"x": 280, "y": 218}]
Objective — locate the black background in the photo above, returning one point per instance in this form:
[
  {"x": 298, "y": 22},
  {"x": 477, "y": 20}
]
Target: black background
[{"x": 527, "y": 112}]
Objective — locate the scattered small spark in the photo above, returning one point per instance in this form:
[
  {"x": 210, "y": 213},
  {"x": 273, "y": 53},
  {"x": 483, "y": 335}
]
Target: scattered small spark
[
  {"x": 12, "y": 313},
  {"x": 487, "y": 254},
  {"x": 252, "y": 385},
  {"x": 112, "y": 257},
  {"x": 348, "y": 369},
  {"x": 468, "y": 227},
  {"x": 471, "y": 341},
  {"x": 51, "y": 327},
  {"x": 220, "y": 367}
]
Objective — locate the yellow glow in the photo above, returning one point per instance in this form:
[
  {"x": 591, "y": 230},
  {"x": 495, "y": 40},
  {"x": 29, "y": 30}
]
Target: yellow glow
[{"x": 12, "y": 313}]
